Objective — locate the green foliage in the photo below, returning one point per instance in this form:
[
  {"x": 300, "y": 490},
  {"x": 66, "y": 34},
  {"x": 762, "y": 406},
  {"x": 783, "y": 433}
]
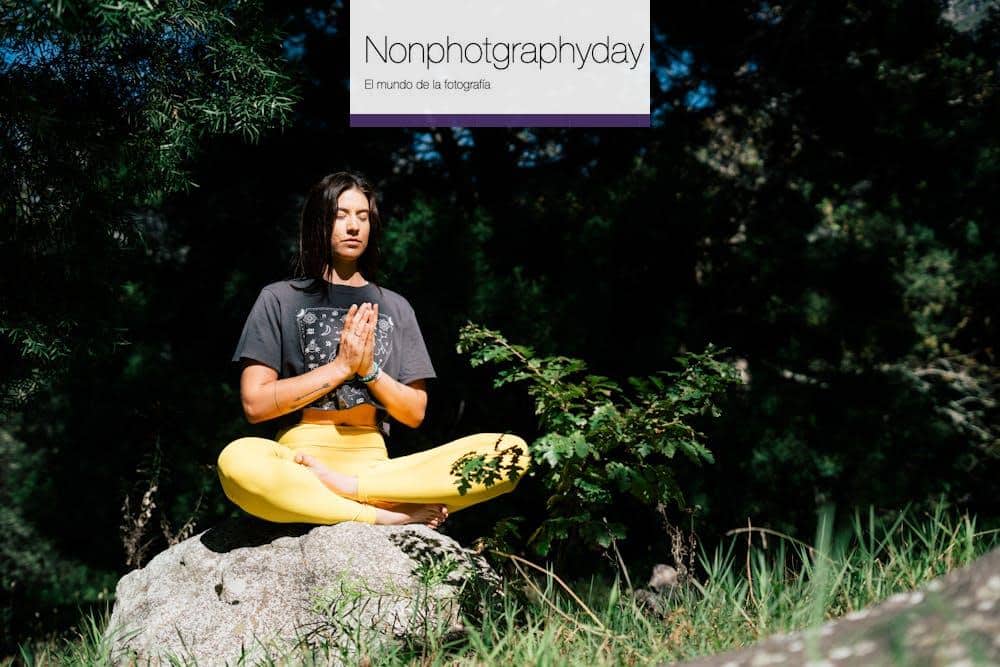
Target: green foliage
[
  {"x": 598, "y": 441},
  {"x": 504, "y": 463},
  {"x": 177, "y": 71},
  {"x": 34, "y": 573},
  {"x": 105, "y": 105},
  {"x": 845, "y": 254},
  {"x": 431, "y": 572},
  {"x": 748, "y": 590}
]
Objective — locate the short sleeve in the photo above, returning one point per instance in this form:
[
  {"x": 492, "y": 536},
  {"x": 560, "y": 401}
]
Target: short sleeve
[
  {"x": 261, "y": 337},
  {"x": 416, "y": 362}
]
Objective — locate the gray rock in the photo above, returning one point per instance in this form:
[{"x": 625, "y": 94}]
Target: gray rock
[
  {"x": 657, "y": 598},
  {"x": 952, "y": 620},
  {"x": 664, "y": 578},
  {"x": 263, "y": 590}
]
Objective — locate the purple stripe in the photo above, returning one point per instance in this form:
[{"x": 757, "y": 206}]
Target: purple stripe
[{"x": 499, "y": 120}]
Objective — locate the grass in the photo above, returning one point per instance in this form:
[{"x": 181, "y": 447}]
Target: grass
[{"x": 755, "y": 584}]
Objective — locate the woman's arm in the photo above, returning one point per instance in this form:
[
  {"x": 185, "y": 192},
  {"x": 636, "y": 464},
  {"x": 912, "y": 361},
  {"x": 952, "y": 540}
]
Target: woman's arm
[
  {"x": 407, "y": 403},
  {"x": 265, "y": 397}
]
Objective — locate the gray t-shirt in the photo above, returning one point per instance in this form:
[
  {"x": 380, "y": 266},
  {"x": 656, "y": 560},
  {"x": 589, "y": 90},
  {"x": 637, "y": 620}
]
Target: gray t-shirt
[{"x": 293, "y": 331}]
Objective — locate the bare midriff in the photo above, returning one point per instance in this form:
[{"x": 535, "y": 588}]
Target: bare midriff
[{"x": 359, "y": 415}]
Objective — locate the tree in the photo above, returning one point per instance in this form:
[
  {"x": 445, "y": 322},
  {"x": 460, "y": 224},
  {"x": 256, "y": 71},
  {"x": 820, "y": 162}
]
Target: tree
[{"x": 104, "y": 106}]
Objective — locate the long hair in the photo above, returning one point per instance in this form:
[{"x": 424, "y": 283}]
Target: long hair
[{"x": 316, "y": 228}]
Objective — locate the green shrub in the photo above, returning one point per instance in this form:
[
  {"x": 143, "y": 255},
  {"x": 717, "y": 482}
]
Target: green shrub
[{"x": 599, "y": 442}]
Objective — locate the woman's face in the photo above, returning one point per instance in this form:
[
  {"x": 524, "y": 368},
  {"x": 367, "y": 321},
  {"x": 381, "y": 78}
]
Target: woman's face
[{"x": 351, "y": 226}]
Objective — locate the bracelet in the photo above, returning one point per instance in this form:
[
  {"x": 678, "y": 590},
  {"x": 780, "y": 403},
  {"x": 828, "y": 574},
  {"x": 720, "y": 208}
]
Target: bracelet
[{"x": 371, "y": 376}]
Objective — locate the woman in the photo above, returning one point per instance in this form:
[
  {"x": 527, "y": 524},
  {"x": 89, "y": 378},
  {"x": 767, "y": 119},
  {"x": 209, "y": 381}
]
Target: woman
[{"x": 338, "y": 353}]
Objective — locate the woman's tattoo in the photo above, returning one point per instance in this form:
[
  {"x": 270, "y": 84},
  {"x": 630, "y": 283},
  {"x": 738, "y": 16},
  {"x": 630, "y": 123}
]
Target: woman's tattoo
[{"x": 321, "y": 388}]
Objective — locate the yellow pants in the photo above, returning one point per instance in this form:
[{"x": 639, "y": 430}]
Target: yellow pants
[{"x": 262, "y": 477}]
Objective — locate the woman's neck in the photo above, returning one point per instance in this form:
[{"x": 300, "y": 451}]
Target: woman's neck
[{"x": 345, "y": 276}]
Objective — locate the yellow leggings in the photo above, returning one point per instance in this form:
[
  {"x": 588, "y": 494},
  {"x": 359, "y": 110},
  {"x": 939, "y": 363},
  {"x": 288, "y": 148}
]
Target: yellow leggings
[{"x": 262, "y": 477}]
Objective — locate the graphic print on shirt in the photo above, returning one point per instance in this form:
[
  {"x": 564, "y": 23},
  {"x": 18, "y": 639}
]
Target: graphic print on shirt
[{"x": 319, "y": 333}]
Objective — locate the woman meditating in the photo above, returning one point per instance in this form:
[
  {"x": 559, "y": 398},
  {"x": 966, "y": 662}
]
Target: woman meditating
[{"x": 339, "y": 354}]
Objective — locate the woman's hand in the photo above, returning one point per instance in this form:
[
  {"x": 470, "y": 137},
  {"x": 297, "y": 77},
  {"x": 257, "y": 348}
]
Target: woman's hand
[
  {"x": 367, "y": 356},
  {"x": 359, "y": 326}
]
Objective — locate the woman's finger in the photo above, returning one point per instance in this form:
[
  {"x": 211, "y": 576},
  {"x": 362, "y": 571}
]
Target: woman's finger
[
  {"x": 370, "y": 342},
  {"x": 368, "y": 336},
  {"x": 369, "y": 325},
  {"x": 349, "y": 318},
  {"x": 360, "y": 317},
  {"x": 367, "y": 352},
  {"x": 364, "y": 313},
  {"x": 366, "y": 323}
]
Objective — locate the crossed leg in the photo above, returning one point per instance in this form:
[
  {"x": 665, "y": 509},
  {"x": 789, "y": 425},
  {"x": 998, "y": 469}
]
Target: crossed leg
[
  {"x": 430, "y": 476},
  {"x": 284, "y": 484},
  {"x": 260, "y": 476}
]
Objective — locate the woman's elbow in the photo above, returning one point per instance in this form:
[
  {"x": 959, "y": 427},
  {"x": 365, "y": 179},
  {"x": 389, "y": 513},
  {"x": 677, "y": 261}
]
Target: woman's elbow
[
  {"x": 258, "y": 395},
  {"x": 252, "y": 418},
  {"x": 252, "y": 412},
  {"x": 416, "y": 414},
  {"x": 415, "y": 420},
  {"x": 420, "y": 410}
]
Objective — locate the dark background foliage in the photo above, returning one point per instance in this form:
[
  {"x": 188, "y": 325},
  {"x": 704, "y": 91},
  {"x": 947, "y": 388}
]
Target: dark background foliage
[{"x": 816, "y": 195}]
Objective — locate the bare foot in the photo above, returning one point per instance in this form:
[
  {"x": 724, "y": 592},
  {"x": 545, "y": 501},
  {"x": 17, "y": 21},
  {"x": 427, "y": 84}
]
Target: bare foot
[
  {"x": 429, "y": 515},
  {"x": 338, "y": 482}
]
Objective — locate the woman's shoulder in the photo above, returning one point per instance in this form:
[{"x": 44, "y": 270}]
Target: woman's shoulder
[
  {"x": 304, "y": 290},
  {"x": 395, "y": 298},
  {"x": 288, "y": 288}
]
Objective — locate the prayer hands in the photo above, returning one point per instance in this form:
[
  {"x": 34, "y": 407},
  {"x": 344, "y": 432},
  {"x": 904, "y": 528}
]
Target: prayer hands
[
  {"x": 367, "y": 356},
  {"x": 357, "y": 340}
]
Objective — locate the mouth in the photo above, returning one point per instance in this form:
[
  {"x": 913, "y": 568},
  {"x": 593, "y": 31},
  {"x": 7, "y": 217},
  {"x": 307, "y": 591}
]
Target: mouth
[{"x": 353, "y": 242}]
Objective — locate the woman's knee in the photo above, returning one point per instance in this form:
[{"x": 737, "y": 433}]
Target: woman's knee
[
  {"x": 517, "y": 449},
  {"x": 240, "y": 458}
]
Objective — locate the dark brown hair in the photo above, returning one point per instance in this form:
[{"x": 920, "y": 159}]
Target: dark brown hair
[{"x": 316, "y": 227}]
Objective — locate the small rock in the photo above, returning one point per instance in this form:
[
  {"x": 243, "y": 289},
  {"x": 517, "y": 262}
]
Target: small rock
[{"x": 664, "y": 576}]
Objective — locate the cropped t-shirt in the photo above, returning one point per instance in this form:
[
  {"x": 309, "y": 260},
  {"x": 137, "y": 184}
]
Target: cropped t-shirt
[{"x": 294, "y": 330}]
